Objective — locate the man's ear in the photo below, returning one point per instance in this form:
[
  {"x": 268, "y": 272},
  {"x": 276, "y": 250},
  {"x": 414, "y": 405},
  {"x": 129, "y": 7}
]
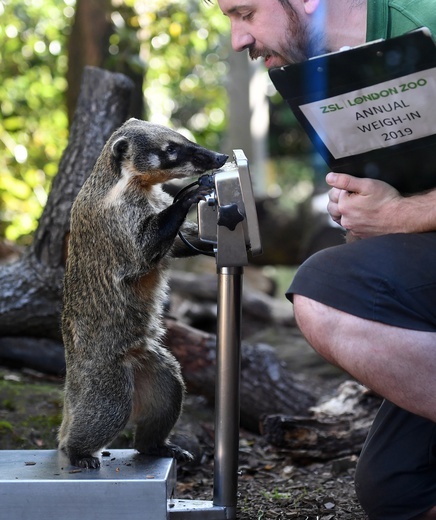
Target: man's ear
[
  {"x": 310, "y": 6},
  {"x": 119, "y": 148}
]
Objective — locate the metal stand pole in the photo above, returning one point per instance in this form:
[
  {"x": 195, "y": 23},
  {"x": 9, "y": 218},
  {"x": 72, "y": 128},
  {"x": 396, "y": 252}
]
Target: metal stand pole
[
  {"x": 227, "y": 390},
  {"x": 227, "y": 219}
]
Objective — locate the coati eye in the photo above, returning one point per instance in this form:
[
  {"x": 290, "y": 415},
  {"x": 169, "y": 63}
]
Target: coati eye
[{"x": 171, "y": 150}]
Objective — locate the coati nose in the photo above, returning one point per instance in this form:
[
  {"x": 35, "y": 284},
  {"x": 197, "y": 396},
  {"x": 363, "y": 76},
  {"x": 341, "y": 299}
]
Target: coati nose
[{"x": 220, "y": 159}]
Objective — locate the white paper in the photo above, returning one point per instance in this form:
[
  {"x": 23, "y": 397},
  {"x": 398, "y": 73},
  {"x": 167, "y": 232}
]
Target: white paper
[{"x": 379, "y": 116}]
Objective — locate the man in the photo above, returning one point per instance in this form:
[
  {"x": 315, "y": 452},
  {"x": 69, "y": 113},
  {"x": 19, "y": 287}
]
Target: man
[{"x": 368, "y": 306}]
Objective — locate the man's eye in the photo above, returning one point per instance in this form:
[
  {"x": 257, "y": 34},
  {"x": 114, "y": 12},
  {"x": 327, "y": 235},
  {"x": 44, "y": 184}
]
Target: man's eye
[{"x": 247, "y": 16}]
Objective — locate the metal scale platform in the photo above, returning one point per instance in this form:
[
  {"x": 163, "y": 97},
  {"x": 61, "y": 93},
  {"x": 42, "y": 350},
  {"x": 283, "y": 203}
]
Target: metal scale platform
[{"x": 42, "y": 485}]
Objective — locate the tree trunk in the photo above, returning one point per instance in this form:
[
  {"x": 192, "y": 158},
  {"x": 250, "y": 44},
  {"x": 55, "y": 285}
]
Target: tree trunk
[
  {"x": 88, "y": 44},
  {"x": 31, "y": 288}
]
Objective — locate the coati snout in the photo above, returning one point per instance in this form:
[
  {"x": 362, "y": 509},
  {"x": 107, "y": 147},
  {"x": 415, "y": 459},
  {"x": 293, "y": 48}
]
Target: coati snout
[
  {"x": 123, "y": 229},
  {"x": 153, "y": 148}
]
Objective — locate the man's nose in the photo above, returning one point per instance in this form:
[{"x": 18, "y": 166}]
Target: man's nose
[{"x": 241, "y": 39}]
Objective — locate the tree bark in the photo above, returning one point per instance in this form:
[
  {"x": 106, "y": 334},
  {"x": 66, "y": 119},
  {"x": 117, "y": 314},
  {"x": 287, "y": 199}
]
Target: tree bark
[
  {"x": 31, "y": 288},
  {"x": 88, "y": 44}
]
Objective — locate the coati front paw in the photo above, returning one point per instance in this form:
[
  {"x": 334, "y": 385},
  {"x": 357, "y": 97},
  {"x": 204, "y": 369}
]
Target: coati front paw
[
  {"x": 171, "y": 450},
  {"x": 194, "y": 196}
]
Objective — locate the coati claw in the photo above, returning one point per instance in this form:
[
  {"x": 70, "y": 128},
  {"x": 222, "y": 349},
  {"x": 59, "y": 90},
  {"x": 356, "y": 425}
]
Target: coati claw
[
  {"x": 86, "y": 462},
  {"x": 171, "y": 450},
  {"x": 194, "y": 196}
]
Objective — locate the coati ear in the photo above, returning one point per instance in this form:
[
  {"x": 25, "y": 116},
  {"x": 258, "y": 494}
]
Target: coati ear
[{"x": 119, "y": 148}]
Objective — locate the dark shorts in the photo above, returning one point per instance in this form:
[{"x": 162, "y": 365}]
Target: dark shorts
[
  {"x": 396, "y": 473},
  {"x": 392, "y": 280}
]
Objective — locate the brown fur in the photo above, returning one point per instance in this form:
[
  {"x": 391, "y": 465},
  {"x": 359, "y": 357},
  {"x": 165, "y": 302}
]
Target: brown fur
[{"x": 123, "y": 227}]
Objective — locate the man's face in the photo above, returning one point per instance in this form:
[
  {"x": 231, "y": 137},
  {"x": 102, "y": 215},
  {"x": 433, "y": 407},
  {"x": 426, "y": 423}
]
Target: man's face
[{"x": 279, "y": 34}]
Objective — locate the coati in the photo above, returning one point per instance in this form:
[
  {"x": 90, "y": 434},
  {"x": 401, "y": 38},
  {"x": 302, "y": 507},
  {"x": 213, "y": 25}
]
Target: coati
[{"x": 123, "y": 227}]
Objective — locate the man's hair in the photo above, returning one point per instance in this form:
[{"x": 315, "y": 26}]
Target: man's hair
[
  {"x": 353, "y": 3},
  {"x": 285, "y": 3}
]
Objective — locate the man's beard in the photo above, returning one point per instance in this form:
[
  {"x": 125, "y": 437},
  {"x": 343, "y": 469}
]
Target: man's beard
[{"x": 302, "y": 42}]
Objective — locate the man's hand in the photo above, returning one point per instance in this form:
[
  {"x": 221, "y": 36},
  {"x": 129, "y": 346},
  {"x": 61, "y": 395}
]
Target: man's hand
[{"x": 365, "y": 207}]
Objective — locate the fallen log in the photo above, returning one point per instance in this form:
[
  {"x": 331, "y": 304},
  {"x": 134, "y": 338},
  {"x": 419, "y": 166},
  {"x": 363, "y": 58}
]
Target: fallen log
[
  {"x": 44, "y": 355},
  {"x": 335, "y": 429},
  {"x": 199, "y": 293},
  {"x": 266, "y": 384}
]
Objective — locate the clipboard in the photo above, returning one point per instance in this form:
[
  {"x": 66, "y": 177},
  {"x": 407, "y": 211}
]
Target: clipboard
[{"x": 370, "y": 111}]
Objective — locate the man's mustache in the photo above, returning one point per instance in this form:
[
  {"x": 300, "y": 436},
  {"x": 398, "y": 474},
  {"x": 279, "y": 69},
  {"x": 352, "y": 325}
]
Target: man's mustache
[{"x": 260, "y": 53}]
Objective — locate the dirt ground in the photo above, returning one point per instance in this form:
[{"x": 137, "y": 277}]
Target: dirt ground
[{"x": 271, "y": 485}]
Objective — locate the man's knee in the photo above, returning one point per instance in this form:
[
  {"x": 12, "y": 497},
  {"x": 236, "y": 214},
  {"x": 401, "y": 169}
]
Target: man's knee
[
  {"x": 306, "y": 317},
  {"x": 316, "y": 322},
  {"x": 309, "y": 314}
]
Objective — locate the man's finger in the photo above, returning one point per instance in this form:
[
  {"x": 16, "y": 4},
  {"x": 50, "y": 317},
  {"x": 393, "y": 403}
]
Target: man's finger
[{"x": 346, "y": 182}]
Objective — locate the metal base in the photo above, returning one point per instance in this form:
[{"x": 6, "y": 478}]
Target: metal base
[
  {"x": 200, "y": 510},
  {"x": 42, "y": 485}
]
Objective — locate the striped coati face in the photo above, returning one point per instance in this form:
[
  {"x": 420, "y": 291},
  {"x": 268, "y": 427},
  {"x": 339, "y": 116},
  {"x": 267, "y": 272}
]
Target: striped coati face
[{"x": 159, "y": 154}]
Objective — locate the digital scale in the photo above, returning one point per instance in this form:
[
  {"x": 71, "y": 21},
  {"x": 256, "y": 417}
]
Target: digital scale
[{"x": 42, "y": 485}]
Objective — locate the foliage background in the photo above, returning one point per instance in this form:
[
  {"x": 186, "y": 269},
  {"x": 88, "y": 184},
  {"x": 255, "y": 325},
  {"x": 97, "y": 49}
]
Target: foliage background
[
  {"x": 181, "y": 54},
  {"x": 179, "y": 47},
  {"x": 33, "y": 122}
]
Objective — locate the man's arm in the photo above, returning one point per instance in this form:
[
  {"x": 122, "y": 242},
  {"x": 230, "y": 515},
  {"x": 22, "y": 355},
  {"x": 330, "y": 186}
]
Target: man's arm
[{"x": 368, "y": 207}]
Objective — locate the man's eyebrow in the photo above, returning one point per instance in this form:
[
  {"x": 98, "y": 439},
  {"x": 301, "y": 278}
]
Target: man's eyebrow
[{"x": 236, "y": 8}]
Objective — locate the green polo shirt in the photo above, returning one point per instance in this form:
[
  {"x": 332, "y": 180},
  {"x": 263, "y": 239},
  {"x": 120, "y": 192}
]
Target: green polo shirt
[{"x": 388, "y": 18}]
